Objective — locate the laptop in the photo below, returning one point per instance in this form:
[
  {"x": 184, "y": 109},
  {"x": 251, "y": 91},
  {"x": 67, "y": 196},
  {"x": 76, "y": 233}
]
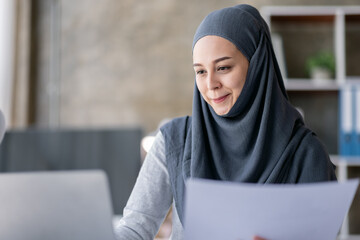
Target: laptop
[{"x": 57, "y": 205}]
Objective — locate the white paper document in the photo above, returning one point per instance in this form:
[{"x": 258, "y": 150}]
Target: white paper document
[{"x": 238, "y": 211}]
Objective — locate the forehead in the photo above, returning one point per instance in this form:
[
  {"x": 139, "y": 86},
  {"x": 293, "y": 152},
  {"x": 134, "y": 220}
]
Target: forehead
[{"x": 210, "y": 47}]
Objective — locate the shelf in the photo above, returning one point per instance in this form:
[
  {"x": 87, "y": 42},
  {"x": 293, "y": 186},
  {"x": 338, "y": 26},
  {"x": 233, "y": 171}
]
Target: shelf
[
  {"x": 349, "y": 237},
  {"x": 308, "y": 10},
  {"x": 298, "y": 84},
  {"x": 305, "y": 84},
  {"x": 345, "y": 161}
]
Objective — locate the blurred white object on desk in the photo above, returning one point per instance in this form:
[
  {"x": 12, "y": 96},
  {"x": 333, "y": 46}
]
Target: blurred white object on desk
[{"x": 2, "y": 126}]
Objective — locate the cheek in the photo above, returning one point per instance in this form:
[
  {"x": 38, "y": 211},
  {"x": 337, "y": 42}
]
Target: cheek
[
  {"x": 233, "y": 81},
  {"x": 237, "y": 84}
]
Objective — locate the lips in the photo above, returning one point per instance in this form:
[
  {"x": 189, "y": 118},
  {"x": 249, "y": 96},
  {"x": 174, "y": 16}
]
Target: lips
[{"x": 220, "y": 99}]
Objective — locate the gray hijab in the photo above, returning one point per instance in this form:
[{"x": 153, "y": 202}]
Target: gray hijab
[{"x": 262, "y": 139}]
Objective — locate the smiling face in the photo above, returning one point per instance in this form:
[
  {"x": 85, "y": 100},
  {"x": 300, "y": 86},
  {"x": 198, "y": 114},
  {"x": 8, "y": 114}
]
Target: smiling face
[{"x": 220, "y": 70}]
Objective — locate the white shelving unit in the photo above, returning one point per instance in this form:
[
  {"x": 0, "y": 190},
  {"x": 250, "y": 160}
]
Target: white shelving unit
[{"x": 336, "y": 18}]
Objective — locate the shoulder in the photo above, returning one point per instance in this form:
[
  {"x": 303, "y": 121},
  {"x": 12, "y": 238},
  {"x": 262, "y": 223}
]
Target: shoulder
[
  {"x": 176, "y": 133},
  {"x": 311, "y": 145},
  {"x": 176, "y": 124},
  {"x": 176, "y": 129},
  {"x": 313, "y": 160}
]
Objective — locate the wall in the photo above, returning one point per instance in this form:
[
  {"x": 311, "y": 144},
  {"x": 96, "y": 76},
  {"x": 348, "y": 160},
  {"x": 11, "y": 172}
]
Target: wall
[{"x": 120, "y": 63}]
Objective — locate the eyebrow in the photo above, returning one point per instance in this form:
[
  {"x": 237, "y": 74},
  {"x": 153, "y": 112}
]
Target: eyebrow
[{"x": 215, "y": 61}]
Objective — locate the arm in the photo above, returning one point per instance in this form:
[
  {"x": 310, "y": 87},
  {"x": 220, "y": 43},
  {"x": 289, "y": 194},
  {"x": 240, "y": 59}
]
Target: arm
[{"x": 150, "y": 199}]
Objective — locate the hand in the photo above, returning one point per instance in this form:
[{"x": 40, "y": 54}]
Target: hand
[{"x": 258, "y": 238}]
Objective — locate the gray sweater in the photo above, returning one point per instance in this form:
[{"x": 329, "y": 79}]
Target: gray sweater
[{"x": 150, "y": 199}]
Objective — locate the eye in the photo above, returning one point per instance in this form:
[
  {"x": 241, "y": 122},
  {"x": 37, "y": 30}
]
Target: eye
[
  {"x": 223, "y": 68},
  {"x": 200, "y": 72}
]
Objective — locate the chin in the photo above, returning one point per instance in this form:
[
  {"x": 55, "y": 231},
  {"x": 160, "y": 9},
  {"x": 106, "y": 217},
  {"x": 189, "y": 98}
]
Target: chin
[{"x": 221, "y": 112}]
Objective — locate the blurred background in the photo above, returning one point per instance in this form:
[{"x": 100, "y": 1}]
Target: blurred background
[
  {"x": 101, "y": 75},
  {"x": 96, "y": 64}
]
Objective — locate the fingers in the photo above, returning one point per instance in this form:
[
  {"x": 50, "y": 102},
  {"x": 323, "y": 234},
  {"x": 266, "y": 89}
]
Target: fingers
[{"x": 258, "y": 238}]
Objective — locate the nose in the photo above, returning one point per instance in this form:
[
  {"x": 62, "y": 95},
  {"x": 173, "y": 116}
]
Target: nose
[{"x": 213, "y": 82}]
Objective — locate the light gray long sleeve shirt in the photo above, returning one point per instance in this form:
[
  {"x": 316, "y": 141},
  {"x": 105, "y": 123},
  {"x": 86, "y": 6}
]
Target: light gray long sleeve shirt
[{"x": 150, "y": 199}]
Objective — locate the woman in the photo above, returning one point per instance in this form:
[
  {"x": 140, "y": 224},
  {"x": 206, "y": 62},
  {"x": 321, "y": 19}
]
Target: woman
[{"x": 242, "y": 127}]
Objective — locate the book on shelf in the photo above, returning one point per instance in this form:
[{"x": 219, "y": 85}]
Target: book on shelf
[
  {"x": 349, "y": 130},
  {"x": 357, "y": 120}
]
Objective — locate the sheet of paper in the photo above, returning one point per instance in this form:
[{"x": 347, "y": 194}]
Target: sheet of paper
[{"x": 235, "y": 211}]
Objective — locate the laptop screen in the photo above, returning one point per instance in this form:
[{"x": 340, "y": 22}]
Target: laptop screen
[{"x": 55, "y": 205}]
